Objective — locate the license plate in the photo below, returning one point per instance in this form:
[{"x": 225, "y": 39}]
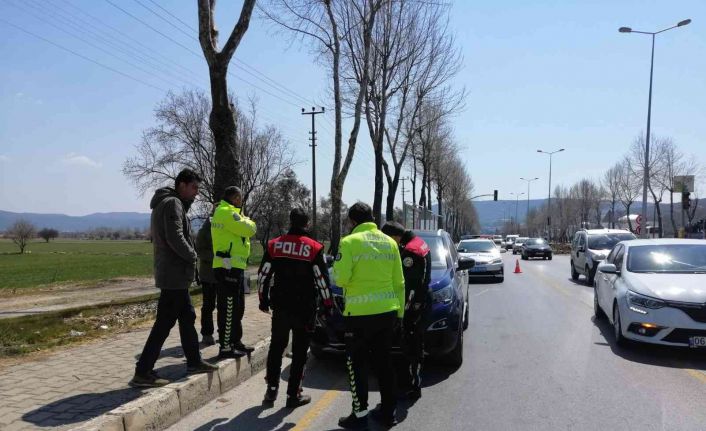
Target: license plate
[
  {"x": 478, "y": 269},
  {"x": 697, "y": 342}
]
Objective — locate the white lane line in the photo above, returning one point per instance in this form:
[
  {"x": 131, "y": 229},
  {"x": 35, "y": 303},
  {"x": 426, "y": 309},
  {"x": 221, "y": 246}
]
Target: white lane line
[{"x": 481, "y": 292}]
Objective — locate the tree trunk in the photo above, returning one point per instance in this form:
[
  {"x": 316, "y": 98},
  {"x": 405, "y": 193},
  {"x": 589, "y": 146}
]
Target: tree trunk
[
  {"x": 377, "y": 194},
  {"x": 223, "y": 127},
  {"x": 627, "y": 209}
]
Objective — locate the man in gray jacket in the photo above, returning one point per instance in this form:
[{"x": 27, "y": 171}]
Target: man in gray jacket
[{"x": 174, "y": 271}]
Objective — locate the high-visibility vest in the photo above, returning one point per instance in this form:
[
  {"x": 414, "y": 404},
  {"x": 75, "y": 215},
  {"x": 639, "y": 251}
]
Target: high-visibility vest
[{"x": 231, "y": 232}]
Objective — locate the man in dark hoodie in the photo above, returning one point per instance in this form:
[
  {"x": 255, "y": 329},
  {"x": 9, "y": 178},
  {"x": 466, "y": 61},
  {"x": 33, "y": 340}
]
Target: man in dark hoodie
[
  {"x": 204, "y": 249},
  {"x": 174, "y": 271}
]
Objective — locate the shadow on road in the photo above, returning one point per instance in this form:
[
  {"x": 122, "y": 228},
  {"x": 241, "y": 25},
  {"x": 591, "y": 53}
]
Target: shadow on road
[
  {"x": 254, "y": 418},
  {"x": 652, "y": 354}
]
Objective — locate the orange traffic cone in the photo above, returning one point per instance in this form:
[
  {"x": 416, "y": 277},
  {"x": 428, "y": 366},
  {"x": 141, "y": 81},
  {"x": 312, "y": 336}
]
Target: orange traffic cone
[{"x": 517, "y": 267}]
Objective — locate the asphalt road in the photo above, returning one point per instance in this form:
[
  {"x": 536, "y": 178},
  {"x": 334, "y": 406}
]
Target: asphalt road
[{"x": 534, "y": 359}]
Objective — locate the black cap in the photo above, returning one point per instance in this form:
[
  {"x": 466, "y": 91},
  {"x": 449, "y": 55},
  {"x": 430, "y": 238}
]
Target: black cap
[{"x": 392, "y": 228}]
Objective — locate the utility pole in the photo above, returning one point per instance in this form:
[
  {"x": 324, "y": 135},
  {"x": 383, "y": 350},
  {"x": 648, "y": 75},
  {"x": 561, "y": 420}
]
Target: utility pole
[{"x": 313, "y": 114}]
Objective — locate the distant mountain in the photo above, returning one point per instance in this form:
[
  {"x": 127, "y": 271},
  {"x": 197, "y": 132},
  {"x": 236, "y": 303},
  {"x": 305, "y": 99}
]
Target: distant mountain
[
  {"x": 492, "y": 214},
  {"x": 66, "y": 223}
]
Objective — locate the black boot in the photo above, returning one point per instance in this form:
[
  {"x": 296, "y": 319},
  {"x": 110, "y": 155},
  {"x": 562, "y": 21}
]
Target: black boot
[
  {"x": 298, "y": 400},
  {"x": 270, "y": 396},
  {"x": 353, "y": 422},
  {"x": 230, "y": 353},
  {"x": 243, "y": 348},
  {"x": 385, "y": 419}
]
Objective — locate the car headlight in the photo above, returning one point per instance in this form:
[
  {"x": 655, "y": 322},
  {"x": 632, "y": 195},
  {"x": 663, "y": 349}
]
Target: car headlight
[
  {"x": 443, "y": 295},
  {"x": 644, "y": 301},
  {"x": 496, "y": 261}
]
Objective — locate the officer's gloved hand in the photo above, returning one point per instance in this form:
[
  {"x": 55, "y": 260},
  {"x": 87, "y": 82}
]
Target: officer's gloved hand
[{"x": 264, "y": 307}]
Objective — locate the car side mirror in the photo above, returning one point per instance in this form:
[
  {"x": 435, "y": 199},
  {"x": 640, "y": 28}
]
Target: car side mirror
[
  {"x": 465, "y": 263},
  {"x": 461, "y": 250},
  {"x": 608, "y": 268}
]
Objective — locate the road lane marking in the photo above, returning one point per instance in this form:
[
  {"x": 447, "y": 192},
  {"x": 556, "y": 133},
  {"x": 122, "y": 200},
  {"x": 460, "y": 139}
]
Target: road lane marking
[
  {"x": 698, "y": 375},
  {"x": 315, "y": 411},
  {"x": 481, "y": 292}
]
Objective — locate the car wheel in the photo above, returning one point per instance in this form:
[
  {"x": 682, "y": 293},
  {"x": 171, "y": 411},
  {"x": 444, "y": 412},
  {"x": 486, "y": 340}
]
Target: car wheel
[
  {"x": 617, "y": 327},
  {"x": 597, "y": 311},
  {"x": 514, "y": 252},
  {"x": 550, "y": 257},
  {"x": 574, "y": 274},
  {"x": 524, "y": 257},
  {"x": 590, "y": 276},
  {"x": 455, "y": 357},
  {"x": 502, "y": 276}
]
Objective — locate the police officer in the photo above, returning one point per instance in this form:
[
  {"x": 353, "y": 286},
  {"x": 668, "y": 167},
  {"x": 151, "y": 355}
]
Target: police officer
[
  {"x": 416, "y": 264},
  {"x": 300, "y": 274},
  {"x": 369, "y": 269},
  {"x": 231, "y": 232}
]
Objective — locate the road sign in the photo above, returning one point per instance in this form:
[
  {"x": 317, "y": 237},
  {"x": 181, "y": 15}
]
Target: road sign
[{"x": 683, "y": 183}]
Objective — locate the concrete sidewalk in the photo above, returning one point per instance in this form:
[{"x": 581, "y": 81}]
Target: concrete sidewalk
[{"x": 66, "y": 389}]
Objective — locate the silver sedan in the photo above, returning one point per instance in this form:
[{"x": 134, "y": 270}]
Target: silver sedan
[
  {"x": 654, "y": 291},
  {"x": 489, "y": 261}
]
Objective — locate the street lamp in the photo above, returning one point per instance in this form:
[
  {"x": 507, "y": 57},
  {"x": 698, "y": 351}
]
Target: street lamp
[
  {"x": 646, "y": 176},
  {"x": 549, "y": 196},
  {"x": 529, "y": 180},
  {"x": 517, "y": 201}
]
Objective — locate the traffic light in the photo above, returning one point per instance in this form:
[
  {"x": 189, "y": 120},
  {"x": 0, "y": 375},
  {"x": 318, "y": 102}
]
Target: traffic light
[
  {"x": 495, "y": 195},
  {"x": 686, "y": 200}
]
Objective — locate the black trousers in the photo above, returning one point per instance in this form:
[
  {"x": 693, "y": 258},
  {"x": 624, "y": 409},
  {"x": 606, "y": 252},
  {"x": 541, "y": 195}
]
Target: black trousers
[
  {"x": 208, "y": 290},
  {"x": 369, "y": 339},
  {"x": 300, "y": 324},
  {"x": 231, "y": 305},
  {"x": 173, "y": 306},
  {"x": 413, "y": 347}
]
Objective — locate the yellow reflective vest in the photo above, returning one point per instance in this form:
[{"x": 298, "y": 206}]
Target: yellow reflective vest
[
  {"x": 369, "y": 270},
  {"x": 231, "y": 232}
]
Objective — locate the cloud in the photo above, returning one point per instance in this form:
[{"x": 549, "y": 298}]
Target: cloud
[
  {"x": 79, "y": 160},
  {"x": 4, "y": 158},
  {"x": 19, "y": 95}
]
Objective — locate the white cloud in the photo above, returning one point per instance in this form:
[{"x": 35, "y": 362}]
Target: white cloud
[
  {"x": 4, "y": 158},
  {"x": 19, "y": 95},
  {"x": 79, "y": 160}
]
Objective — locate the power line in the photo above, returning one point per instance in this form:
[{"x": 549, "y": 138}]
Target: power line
[{"x": 83, "y": 56}]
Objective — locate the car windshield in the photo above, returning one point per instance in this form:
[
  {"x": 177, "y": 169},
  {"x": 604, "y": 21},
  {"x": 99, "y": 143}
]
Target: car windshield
[
  {"x": 668, "y": 258},
  {"x": 520, "y": 240},
  {"x": 439, "y": 253},
  {"x": 606, "y": 241},
  {"x": 535, "y": 241},
  {"x": 476, "y": 246}
]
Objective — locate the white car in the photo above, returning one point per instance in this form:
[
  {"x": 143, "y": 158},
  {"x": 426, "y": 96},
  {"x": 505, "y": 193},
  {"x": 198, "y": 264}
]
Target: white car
[
  {"x": 654, "y": 291},
  {"x": 489, "y": 261}
]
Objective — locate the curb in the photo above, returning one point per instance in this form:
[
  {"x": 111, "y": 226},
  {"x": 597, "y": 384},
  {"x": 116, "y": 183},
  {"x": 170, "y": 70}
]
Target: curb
[{"x": 160, "y": 408}]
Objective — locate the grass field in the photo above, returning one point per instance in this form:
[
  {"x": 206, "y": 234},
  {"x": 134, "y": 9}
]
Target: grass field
[{"x": 70, "y": 261}]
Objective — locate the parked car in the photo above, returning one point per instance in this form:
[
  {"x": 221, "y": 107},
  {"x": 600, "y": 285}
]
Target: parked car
[
  {"x": 447, "y": 319},
  {"x": 487, "y": 257},
  {"x": 510, "y": 241},
  {"x": 498, "y": 240},
  {"x": 517, "y": 245},
  {"x": 590, "y": 246},
  {"x": 653, "y": 291},
  {"x": 536, "y": 247}
]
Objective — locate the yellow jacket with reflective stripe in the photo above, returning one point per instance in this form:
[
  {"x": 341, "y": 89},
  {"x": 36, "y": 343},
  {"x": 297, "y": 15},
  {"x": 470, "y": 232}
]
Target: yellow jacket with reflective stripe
[
  {"x": 230, "y": 230},
  {"x": 369, "y": 270}
]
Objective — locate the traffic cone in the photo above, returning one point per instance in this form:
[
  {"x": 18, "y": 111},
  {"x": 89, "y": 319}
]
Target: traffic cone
[{"x": 517, "y": 267}]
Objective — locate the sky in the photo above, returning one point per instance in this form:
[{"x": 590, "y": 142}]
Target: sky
[{"x": 539, "y": 75}]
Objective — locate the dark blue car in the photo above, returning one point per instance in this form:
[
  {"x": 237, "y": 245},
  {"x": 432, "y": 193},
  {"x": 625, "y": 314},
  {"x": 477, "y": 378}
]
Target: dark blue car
[{"x": 447, "y": 319}]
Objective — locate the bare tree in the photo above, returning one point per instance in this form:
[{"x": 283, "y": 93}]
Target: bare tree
[
  {"x": 335, "y": 26},
  {"x": 21, "y": 232},
  {"x": 674, "y": 163},
  {"x": 182, "y": 138},
  {"x": 628, "y": 188},
  {"x": 221, "y": 120},
  {"x": 611, "y": 183},
  {"x": 656, "y": 182}
]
